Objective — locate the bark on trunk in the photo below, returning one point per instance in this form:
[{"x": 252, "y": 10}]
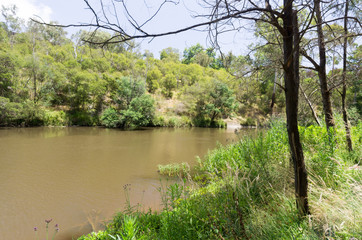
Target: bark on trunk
[
  {"x": 291, "y": 78},
  {"x": 326, "y": 98},
  {"x": 34, "y": 73},
  {"x": 315, "y": 116},
  {"x": 344, "y": 90},
  {"x": 273, "y": 96}
]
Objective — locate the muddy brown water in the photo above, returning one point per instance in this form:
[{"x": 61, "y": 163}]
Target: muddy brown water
[{"x": 75, "y": 176}]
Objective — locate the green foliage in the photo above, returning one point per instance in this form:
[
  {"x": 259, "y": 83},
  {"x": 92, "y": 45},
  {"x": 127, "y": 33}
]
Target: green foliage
[
  {"x": 170, "y": 54},
  {"x": 139, "y": 113},
  {"x": 110, "y": 118},
  {"x": 20, "y": 114},
  {"x": 82, "y": 118},
  {"x": 191, "y": 52},
  {"x": 203, "y": 57},
  {"x": 134, "y": 107},
  {"x": 174, "y": 169},
  {"x": 153, "y": 76},
  {"x": 249, "y": 122},
  {"x": 212, "y": 103},
  {"x": 355, "y": 76},
  {"x": 7, "y": 72},
  {"x": 206, "y": 122},
  {"x": 100, "y": 235},
  {"x": 126, "y": 90},
  {"x": 55, "y": 118},
  {"x": 10, "y": 113},
  {"x": 39, "y": 64},
  {"x": 168, "y": 84},
  {"x": 129, "y": 229}
]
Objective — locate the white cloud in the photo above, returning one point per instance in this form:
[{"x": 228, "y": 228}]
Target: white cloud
[{"x": 30, "y": 8}]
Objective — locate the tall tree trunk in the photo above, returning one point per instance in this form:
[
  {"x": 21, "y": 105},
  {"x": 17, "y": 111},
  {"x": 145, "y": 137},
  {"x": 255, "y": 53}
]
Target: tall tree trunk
[
  {"x": 326, "y": 98},
  {"x": 274, "y": 88},
  {"x": 34, "y": 72},
  {"x": 344, "y": 90},
  {"x": 291, "y": 78},
  {"x": 315, "y": 116}
]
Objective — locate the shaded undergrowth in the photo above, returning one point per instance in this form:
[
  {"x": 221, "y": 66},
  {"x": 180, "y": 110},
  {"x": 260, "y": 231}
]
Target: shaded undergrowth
[{"x": 246, "y": 191}]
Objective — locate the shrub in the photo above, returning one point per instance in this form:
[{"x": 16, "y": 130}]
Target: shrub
[
  {"x": 55, "y": 118},
  {"x": 110, "y": 118},
  {"x": 20, "y": 114},
  {"x": 206, "y": 122},
  {"x": 139, "y": 113},
  {"x": 248, "y": 122},
  {"x": 81, "y": 118}
]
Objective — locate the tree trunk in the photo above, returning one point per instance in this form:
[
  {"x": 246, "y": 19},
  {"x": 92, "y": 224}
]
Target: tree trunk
[
  {"x": 273, "y": 96},
  {"x": 34, "y": 72},
  {"x": 291, "y": 78},
  {"x": 326, "y": 98},
  {"x": 315, "y": 116},
  {"x": 344, "y": 90}
]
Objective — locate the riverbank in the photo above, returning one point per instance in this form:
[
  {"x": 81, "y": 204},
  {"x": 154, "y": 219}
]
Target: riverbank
[{"x": 245, "y": 191}]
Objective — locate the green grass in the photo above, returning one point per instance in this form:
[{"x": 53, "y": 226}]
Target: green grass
[
  {"x": 246, "y": 191},
  {"x": 174, "y": 169}
]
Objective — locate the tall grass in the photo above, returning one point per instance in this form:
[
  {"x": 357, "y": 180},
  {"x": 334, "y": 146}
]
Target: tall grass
[
  {"x": 174, "y": 169},
  {"x": 246, "y": 191}
]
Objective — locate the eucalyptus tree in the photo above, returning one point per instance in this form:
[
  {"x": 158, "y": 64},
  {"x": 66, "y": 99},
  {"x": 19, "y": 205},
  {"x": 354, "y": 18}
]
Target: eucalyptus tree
[
  {"x": 326, "y": 17},
  {"x": 12, "y": 23},
  {"x": 351, "y": 11},
  {"x": 344, "y": 81},
  {"x": 218, "y": 17},
  {"x": 170, "y": 54}
]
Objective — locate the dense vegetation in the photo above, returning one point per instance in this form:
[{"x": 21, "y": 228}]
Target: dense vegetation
[
  {"x": 49, "y": 79},
  {"x": 245, "y": 191}
]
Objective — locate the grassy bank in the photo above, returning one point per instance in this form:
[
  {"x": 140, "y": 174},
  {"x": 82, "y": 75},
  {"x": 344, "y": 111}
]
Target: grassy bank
[{"x": 246, "y": 191}]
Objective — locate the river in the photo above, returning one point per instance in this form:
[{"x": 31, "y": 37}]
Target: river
[{"x": 75, "y": 176}]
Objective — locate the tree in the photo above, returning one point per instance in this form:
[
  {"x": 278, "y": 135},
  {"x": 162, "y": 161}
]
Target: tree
[
  {"x": 133, "y": 107},
  {"x": 168, "y": 83},
  {"x": 344, "y": 81},
  {"x": 7, "y": 72},
  {"x": 191, "y": 52},
  {"x": 354, "y": 67},
  {"x": 127, "y": 89},
  {"x": 153, "y": 76},
  {"x": 215, "y": 100},
  {"x": 225, "y": 16},
  {"x": 13, "y": 24},
  {"x": 170, "y": 54},
  {"x": 321, "y": 66},
  {"x": 139, "y": 113}
]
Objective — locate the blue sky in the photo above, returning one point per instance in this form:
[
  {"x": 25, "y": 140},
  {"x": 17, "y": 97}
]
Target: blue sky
[{"x": 171, "y": 17}]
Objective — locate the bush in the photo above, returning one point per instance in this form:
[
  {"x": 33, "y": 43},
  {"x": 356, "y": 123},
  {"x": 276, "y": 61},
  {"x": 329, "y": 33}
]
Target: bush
[
  {"x": 158, "y": 121},
  {"x": 110, "y": 118},
  {"x": 206, "y": 122},
  {"x": 11, "y": 114},
  {"x": 55, "y": 118},
  {"x": 20, "y": 114},
  {"x": 81, "y": 118},
  {"x": 139, "y": 113},
  {"x": 248, "y": 122}
]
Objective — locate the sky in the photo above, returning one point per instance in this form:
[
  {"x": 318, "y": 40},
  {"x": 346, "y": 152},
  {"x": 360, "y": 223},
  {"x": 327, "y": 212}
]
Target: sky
[{"x": 171, "y": 17}]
